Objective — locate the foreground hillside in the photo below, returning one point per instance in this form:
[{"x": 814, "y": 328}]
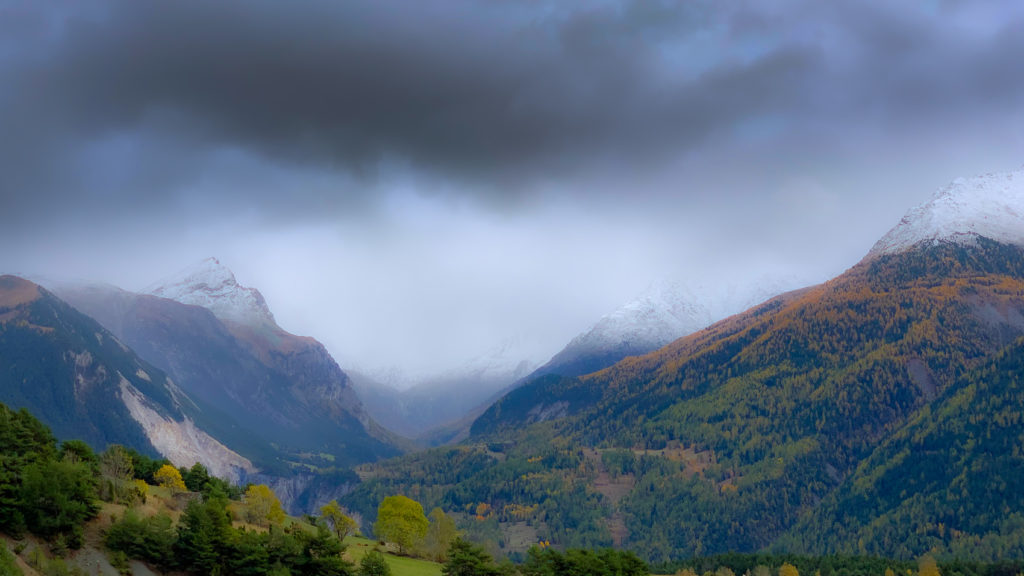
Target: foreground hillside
[
  {"x": 773, "y": 429},
  {"x": 67, "y": 510}
]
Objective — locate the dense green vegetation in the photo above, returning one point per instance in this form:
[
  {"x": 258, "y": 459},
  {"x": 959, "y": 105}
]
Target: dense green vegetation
[
  {"x": 951, "y": 481},
  {"x": 539, "y": 484},
  {"x": 66, "y": 369},
  {"x": 205, "y": 542},
  {"x": 53, "y": 491},
  {"x": 8, "y": 565},
  {"x": 832, "y": 565},
  {"x": 606, "y": 562},
  {"x": 43, "y": 490},
  {"x": 809, "y": 424},
  {"x": 877, "y": 415}
]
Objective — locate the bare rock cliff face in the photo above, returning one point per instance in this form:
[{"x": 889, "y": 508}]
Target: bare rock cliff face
[{"x": 182, "y": 442}]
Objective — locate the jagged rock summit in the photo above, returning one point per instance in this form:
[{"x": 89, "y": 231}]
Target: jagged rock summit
[
  {"x": 991, "y": 206},
  {"x": 212, "y": 285}
]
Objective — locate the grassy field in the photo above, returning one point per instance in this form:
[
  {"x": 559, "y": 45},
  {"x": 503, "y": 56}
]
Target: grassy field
[{"x": 400, "y": 565}]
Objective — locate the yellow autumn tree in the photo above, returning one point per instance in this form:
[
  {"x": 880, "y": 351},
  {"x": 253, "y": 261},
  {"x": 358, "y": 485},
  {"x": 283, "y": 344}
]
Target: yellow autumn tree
[
  {"x": 141, "y": 488},
  {"x": 788, "y": 569},
  {"x": 262, "y": 506},
  {"x": 338, "y": 521},
  {"x": 927, "y": 566},
  {"x": 169, "y": 477},
  {"x": 401, "y": 520},
  {"x": 440, "y": 535}
]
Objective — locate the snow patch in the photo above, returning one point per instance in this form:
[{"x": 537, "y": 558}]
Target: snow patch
[{"x": 991, "y": 205}]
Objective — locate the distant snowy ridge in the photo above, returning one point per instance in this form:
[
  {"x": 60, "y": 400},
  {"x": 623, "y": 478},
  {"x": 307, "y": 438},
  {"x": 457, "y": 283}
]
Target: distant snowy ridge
[
  {"x": 663, "y": 313},
  {"x": 507, "y": 361},
  {"x": 212, "y": 285},
  {"x": 991, "y": 205},
  {"x": 512, "y": 358},
  {"x": 414, "y": 406},
  {"x": 669, "y": 310}
]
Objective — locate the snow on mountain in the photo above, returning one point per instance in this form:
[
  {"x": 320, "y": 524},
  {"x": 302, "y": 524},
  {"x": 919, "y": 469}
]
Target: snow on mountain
[
  {"x": 729, "y": 299},
  {"x": 667, "y": 311},
  {"x": 663, "y": 313},
  {"x": 507, "y": 361},
  {"x": 991, "y": 205},
  {"x": 212, "y": 285}
]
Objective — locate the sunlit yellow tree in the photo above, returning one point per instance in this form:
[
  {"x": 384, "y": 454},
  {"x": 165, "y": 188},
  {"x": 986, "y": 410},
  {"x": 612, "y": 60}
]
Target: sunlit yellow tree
[
  {"x": 262, "y": 506},
  {"x": 401, "y": 520},
  {"x": 338, "y": 521},
  {"x": 926, "y": 566},
  {"x": 788, "y": 569},
  {"x": 169, "y": 477}
]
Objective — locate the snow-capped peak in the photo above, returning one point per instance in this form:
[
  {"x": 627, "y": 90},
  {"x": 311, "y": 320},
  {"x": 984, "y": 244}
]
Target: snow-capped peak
[
  {"x": 991, "y": 206},
  {"x": 664, "y": 312},
  {"x": 211, "y": 285}
]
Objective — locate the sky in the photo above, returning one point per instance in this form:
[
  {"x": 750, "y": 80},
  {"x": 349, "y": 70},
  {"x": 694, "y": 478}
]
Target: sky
[{"x": 417, "y": 183}]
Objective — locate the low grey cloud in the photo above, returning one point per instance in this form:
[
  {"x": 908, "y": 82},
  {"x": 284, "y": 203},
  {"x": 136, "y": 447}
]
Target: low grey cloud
[{"x": 590, "y": 145}]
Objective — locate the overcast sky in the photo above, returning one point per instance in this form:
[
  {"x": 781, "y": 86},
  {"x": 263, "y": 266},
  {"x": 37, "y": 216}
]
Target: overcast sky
[{"x": 414, "y": 182}]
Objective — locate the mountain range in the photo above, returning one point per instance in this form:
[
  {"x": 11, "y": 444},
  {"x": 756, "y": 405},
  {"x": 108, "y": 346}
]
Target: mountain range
[
  {"x": 877, "y": 413},
  {"x": 440, "y": 409},
  {"x": 84, "y": 383},
  {"x": 432, "y": 402},
  {"x": 195, "y": 370},
  {"x": 221, "y": 344},
  {"x": 871, "y": 414}
]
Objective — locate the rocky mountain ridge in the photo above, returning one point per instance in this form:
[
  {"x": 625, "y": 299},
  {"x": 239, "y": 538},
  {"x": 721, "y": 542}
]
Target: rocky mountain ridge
[{"x": 80, "y": 379}]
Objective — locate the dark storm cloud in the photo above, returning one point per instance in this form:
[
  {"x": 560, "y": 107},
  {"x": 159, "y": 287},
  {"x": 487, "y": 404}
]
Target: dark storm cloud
[{"x": 130, "y": 102}]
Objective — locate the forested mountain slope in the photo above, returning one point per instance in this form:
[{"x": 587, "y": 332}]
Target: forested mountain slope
[
  {"x": 734, "y": 436},
  {"x": 951, "y": 481}
]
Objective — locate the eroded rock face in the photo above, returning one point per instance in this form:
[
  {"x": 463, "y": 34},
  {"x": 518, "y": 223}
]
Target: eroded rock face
[
  {"x": 182, "y": 442},
  {"x": 306, "y": 493}
]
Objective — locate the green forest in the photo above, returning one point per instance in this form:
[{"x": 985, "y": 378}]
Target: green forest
[
  {"x": 859, "y": 426},
  {"x": 52, "y": 492},
  {"x": 876, "y": 414}
]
